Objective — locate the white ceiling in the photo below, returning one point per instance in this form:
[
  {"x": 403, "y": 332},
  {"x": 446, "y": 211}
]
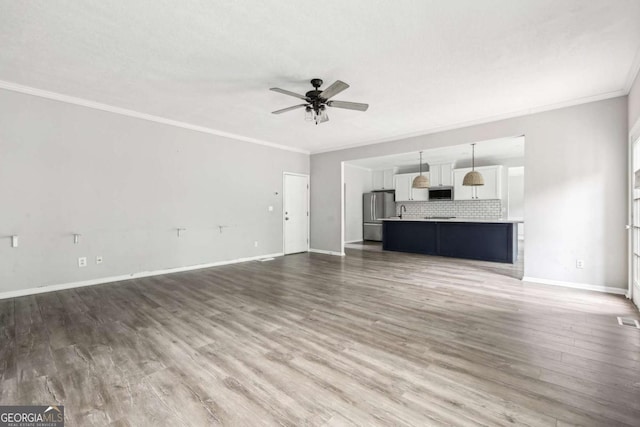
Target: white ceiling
[
  {"x": 490, "y": 152},
  {"x": 421, "y": 65}
]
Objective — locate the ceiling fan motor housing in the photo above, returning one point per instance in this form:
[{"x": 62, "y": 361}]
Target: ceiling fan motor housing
[{"x": 313, "y": 94}]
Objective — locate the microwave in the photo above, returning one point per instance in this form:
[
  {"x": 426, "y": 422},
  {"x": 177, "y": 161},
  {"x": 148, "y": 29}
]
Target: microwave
[{"x": 441, "y": 193}]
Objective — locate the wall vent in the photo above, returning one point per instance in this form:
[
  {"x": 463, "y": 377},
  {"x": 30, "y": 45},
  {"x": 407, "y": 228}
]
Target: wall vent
[{"x": 627, "y": 321}]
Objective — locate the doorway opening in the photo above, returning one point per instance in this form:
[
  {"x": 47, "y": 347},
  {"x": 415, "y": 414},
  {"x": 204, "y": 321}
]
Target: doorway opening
[{"x": 366, "y": 183}]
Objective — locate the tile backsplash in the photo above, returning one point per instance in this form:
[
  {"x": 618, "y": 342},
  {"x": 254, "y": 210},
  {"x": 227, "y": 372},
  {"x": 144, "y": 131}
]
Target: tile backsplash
[{"x": 458, "y": 208}]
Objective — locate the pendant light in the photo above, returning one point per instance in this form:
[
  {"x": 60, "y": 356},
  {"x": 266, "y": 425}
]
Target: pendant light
[
  {"x": 473, "y": 178},
  {"x": 421, "y": 181}
]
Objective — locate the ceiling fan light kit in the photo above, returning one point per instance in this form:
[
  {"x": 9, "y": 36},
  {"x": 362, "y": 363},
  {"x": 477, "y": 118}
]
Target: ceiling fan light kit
[
  {"x": 317, "y": 101},
  {"x": 473, "y": 178}
]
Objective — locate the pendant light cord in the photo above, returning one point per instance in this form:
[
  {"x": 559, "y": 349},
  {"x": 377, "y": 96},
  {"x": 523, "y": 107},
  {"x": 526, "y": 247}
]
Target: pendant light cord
[{"x": 473, "y": 157}]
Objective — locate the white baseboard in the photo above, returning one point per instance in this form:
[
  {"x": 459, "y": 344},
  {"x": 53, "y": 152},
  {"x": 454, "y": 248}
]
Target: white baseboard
[
  {"x": 583, "y": 286},
  {"x": 51, "y": 288},
  {"x": 353, "y": 241},
  {"x": 321, "y": 251}
]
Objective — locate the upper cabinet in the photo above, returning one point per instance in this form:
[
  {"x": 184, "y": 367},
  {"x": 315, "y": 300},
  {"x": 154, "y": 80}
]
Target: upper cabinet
[
  {"x": 492, "y": 188},
  {"x": 461, "y": 192},
  {"x": 403, "y": 188},
  {"x": 383, "y": 179},
  {"x": 405, "y": 191},
  {"x": 441, "y": 175}
]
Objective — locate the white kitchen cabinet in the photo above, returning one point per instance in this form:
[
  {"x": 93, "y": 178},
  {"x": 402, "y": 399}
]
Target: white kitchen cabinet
[
  {"x": 388, "y": 178},
  {"x": 460, "y": 192},
  {"x": 403, "y": 188},
  {"x": 383, "y": 179},
  {"x": 378, "y": 179},
  {"x": 418, "y": 194},
  {"x": 492, "y": 188},
  {"x": 441, "y": 175},
  {"x": 405, "y": 191}
]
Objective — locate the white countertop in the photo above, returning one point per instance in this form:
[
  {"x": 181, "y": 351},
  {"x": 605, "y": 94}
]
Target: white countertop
[{"x": 460, "y": 219}]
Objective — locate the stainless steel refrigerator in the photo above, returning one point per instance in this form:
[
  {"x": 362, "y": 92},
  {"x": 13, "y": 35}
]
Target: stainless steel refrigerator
[{"x": 375, "y": 206}]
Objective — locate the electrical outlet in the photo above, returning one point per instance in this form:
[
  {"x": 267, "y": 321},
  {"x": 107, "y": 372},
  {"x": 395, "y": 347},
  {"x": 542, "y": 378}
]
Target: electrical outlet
[
  {"x": 579, "y": 263},
  {"x": 99, "y": 259},
  {"x": 82, "y": 261},
  {"x": 255, "y": 244}
]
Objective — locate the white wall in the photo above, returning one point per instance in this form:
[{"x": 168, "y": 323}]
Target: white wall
[
  {"x": 125, "y": 185},
  {"x": 575, "y": 188},
  {"x": 515, "y": 192},
  {"x": 357, "y": 182}
]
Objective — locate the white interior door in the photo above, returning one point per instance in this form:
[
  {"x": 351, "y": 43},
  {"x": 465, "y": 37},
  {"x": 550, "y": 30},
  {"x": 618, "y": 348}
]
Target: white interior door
[{"x": 296, "y": 213}]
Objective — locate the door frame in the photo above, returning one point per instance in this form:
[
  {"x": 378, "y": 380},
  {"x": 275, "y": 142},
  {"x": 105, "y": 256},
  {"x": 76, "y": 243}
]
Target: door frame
[
  {"x": 284, "y": 189},
  {"x": 630, "y": 241},
  {"x": 633, "y": 292}
]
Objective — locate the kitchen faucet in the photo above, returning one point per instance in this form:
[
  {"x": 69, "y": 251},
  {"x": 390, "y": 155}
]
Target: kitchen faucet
[{"x": 402, "y": 208}]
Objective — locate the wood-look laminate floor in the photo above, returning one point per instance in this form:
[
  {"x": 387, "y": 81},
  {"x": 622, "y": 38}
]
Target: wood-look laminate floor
[{"x": 374, "y": 338}]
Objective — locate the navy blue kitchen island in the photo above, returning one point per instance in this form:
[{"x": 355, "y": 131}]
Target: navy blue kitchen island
[{"x": 484, "y": 240}]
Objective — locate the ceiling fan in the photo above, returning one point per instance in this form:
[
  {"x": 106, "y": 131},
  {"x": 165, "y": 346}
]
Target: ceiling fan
[{"x": 317, "y": 101}]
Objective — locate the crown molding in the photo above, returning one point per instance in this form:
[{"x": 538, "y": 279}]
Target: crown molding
[
  {"x": 357, "y": 166},
  {"x": 157, "y": 119},
  {"x": 138, "y": 115},
  {"x": 489, "y": 119}
]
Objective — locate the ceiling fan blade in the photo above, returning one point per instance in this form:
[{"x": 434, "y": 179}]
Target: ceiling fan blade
[
  {"x": 337, "y": 87},
  {"x": 287, "y": 92},
  {"x": 348, "y": 105},
  {"x": 284, "y": 110}
]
